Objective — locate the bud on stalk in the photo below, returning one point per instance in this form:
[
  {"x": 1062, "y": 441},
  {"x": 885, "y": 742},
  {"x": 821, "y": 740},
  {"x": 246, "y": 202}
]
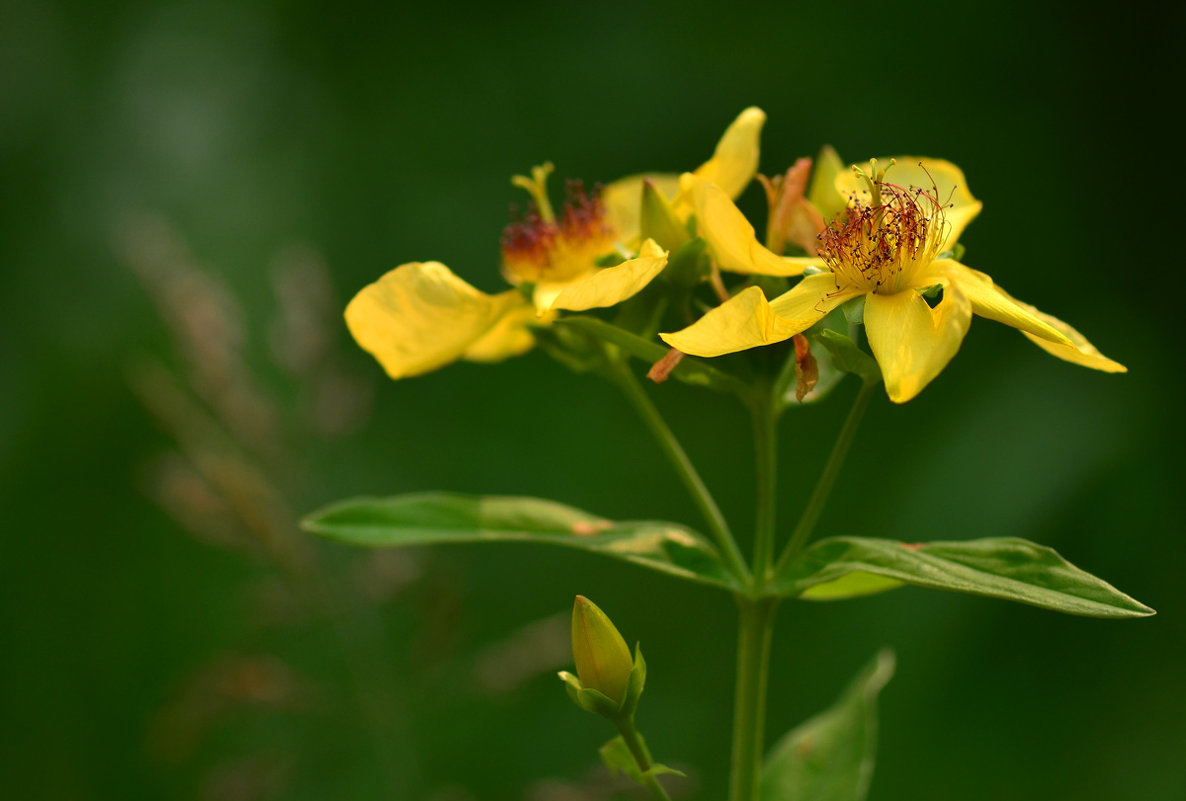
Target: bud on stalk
[{"x": 602, "y": 657}]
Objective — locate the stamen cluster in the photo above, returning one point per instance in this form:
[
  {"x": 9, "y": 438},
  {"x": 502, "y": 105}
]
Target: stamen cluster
[
  {"x": 536, "y": 248},
  {"x": 881, "y": 243}
]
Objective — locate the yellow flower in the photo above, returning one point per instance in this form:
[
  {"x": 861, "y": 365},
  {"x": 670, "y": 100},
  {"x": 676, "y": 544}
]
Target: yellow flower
[
  {"x": 890, "y": 248},
  {"x": 420, "y": 316},
  {"x": 558, "y": 255}
]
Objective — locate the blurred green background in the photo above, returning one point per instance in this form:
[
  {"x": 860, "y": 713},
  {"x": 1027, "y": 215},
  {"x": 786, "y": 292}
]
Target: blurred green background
[{"x": 191, "y": 192}]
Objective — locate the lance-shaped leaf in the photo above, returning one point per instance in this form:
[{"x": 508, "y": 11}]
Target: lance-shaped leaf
[
  {"x": 439, "y": 517},
  {"x": 999, "y": 567},
  {"x": 830, "y": 757}
]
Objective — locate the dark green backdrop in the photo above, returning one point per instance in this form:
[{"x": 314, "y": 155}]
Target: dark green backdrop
[{"x": 224, "y": 160}]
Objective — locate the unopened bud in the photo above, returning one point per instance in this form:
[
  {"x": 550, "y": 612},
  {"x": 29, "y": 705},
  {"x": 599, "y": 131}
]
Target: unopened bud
[{"x": 603, "y": 661}]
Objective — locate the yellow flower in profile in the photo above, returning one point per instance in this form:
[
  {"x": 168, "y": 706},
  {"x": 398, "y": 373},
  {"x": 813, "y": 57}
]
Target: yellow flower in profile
[
  {"x": 558, "y": 254},
  {"x": 421, "y": 316},
  {"x": 890, "y": 248}
]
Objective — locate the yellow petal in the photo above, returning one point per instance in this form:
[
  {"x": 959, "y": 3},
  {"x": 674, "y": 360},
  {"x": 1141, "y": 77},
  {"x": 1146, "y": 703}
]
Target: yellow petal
[
  {"x": 731, "y": 167},
  {"x": 735, "y": 159},
  {"x": 812, "y": 298},
  {"x": 748, "y": 320},
  {"x": 612, "y": 285},
  {"x": 992, "y": 302},
  {"x": 912, "y": 341},
  {"x": 545, "y": 294},
  {"x": 731, "y": 238},
  {"x": 934, "y": 175},
  {"x": 1046, "y": 331},
  {"x": 420, "y": 316},
  {"x": 511, "y": 333},
  {"x": 1079, "y": 351},
  {"x": 623, "y": 200}
]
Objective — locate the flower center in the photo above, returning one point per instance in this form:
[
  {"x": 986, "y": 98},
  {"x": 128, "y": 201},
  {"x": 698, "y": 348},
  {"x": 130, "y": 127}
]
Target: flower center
[
  {"x": 887, "y": 236},
  {"x": 541, "y": 248}
]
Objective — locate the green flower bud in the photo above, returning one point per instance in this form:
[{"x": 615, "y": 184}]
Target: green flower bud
[
  {"x": 658, "y": 221},
  {"x": 603, "y": 661}
]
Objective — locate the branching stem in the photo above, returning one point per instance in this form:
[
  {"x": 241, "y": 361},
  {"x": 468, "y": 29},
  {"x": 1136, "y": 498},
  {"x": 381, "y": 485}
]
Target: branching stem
[{"x": 717, "y": 526}]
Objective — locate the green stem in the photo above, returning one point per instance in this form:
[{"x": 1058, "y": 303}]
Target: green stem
[
  {"x": 765, "y": 416},
  {"x": 749, "y": 703},
  {"x": 827, "y": 479},
  {"x": 683, "y": 467},
  {"x": 642, "y": 757}
]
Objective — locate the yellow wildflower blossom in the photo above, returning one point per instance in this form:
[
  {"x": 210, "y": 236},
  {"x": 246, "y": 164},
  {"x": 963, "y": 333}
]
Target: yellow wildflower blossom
[
  {"x": 889, "y": 248},
  {"x": 558, "y": 254},
  {"x": 420, "y": 316}
]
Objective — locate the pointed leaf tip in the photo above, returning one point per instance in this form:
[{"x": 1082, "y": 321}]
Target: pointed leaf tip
[
  {"x": 998, "y": 567},
  {"x": 830, "y": 757}
]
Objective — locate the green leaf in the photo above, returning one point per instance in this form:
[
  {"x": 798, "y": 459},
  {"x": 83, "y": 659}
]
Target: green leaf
[
  {"x": 439, "y": 517},
  {"x": 847, "y": 356},
  {"x": 830, "y": 757},
  {"x": 617, "y": 757},
  {"x": 690, "y": 370},
  {"x": 1000, "y": 567}
]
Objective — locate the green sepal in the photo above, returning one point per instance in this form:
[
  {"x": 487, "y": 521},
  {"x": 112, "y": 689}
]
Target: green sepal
[
  {"x": 576, "y": 350},
  {"x": 830, "y": 757},
  {"x": 956, "y": 252},
  {"x": 772, "y": 285},
  {"x": 688, "y": 266},
  {"x": 1008, "y": 568},
  {"x": 854, "y": 310},
  {"x": 642, "y": 314},
  {"x": 822, "y": 191},
  {"x": 573, "y": 686},
  {"x": 690, "y": 370},
  {"x": 847, "y": 356},
  {"x": 611, "y": 259},
  {"x": 589, "y": 699},
  {"x": 658, "y": 221},
  {"x": 634, "y": 685},
  {"x": 617, "y": 757}
]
